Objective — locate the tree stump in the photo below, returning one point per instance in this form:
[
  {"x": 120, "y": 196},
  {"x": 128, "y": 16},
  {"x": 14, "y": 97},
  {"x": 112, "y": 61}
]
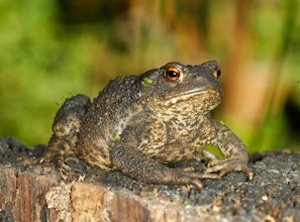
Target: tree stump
[{"x": 76, "y": 192}]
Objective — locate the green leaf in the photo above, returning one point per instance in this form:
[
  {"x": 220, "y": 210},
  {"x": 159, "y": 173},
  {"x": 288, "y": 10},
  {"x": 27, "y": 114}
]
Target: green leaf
[
  {"x": 117, "y": 137},
  {"x": 147, "y": 81}
]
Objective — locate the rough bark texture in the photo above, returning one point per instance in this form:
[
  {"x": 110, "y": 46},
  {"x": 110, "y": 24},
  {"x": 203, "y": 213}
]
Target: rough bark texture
[{"x": 75, "y": 192}]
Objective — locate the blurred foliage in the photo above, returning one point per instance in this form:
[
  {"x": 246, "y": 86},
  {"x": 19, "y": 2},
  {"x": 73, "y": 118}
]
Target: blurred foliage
[
  {"x": 38, "y": 64},
  {"x": 51, "y": 50}
]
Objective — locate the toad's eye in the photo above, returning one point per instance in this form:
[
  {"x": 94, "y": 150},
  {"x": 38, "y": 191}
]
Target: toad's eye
[{"x": 172, "y": 74}]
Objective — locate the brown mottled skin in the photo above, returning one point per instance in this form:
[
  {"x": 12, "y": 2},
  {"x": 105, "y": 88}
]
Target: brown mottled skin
[{"x": 137, "y": 124}]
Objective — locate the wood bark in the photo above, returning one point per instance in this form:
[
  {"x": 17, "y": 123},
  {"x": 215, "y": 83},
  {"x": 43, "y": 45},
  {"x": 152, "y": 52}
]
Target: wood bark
[{"x": 26, "y": 196}]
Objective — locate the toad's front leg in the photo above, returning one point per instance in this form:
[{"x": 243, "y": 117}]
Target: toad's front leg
[
  {"x": 234, "y": 151},
  {"x": 137, "y": 165}
]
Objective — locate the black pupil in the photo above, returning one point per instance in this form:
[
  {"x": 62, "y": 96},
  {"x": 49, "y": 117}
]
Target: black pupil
[
  {"x": 218, "y": 72},
  {"x": 172, "y": 74}
]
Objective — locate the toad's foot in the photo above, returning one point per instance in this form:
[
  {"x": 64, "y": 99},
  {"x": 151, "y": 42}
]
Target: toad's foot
[
  {"x": 180, "y": 177},
  {"x": 184, "y": 177},
  {"x": 223, "y": 167}
]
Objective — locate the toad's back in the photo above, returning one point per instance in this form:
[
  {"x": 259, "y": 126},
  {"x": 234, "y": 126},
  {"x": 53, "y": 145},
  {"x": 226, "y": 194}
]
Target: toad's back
[{"x": 106, "y": 118}]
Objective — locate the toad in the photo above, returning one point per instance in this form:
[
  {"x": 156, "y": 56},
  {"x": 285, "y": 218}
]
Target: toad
[{"x": 138, "y": 124}]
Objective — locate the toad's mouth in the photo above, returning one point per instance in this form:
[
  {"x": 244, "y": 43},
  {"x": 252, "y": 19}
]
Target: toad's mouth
[{"x": 190, "y": 94}]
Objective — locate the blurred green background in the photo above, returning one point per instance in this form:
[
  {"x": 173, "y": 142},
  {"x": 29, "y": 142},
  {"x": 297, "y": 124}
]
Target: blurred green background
[{"x": 52, "y": 49}]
